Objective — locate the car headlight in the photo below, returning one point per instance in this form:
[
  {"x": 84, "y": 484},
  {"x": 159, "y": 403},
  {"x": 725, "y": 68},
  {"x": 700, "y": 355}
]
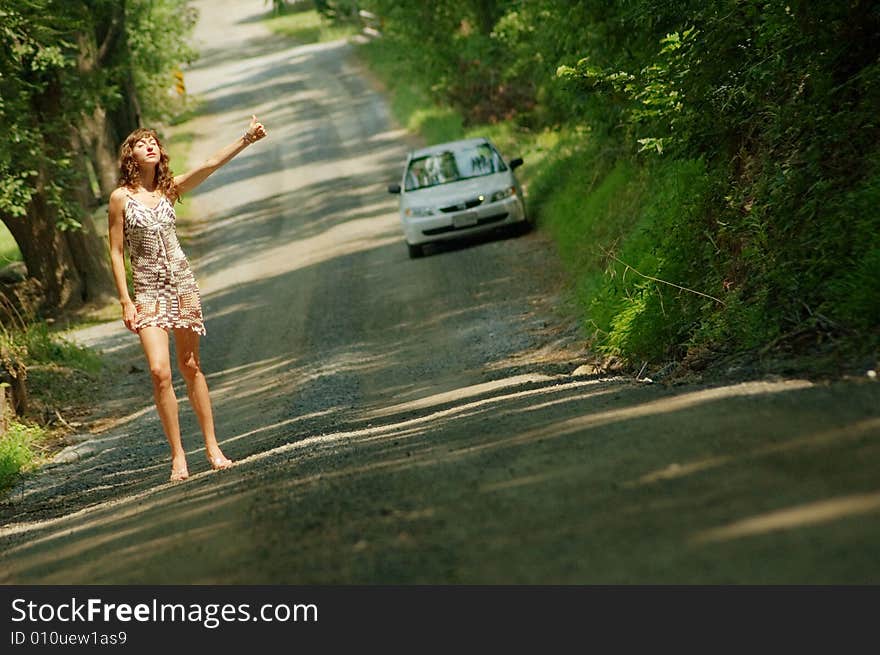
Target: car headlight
[
  {"x": 419, "y": 211},
  {"x": 504, "y": 193}
]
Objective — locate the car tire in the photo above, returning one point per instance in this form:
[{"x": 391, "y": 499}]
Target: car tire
[
  {"x": 415, "y": 251},
  {"x": 522, "y": 228}
]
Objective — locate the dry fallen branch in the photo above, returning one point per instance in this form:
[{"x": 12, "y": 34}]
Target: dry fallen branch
[
  {"x": 657, "y": 279},
  {"x": 62, "y": 421}
]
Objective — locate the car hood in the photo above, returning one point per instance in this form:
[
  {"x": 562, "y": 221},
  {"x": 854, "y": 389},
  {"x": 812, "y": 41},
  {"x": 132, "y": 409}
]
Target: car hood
[{"x": 447, "y": 194}]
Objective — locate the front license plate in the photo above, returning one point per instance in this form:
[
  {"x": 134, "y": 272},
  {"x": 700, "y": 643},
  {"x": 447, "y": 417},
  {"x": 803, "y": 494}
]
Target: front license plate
[{"x": 465, "y": 220}]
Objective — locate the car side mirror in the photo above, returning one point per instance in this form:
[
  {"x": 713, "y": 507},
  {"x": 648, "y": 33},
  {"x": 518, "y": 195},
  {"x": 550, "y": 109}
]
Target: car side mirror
[
  {"x": 393, "y": 188},
  {"x": 516, "y": 163}
]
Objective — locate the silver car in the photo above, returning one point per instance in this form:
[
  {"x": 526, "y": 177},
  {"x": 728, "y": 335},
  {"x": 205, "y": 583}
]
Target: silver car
[{"x": 457, "y": 189}]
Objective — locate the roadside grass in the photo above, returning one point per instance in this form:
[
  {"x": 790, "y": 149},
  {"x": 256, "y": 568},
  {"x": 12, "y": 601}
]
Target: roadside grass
[
  {"x": 411, "y": 104},
  {"x": 309, "y": 27},
  {"x": 62, "y": 380},
  {"x": 45, "y": 347},
  {"x": 178, "y": 144},
  {"x": 19, "y": 451},
  {"x": 618, "y": 230}
]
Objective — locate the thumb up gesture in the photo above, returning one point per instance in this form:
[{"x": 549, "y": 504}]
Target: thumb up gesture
[{"x": 255, "y": 130}]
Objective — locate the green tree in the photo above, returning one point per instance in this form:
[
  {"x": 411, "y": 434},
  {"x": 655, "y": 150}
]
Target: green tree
[{"x": 75, "y": 77}]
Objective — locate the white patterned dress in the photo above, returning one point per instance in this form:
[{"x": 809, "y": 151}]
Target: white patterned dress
[{"x": 165, "y": 291}]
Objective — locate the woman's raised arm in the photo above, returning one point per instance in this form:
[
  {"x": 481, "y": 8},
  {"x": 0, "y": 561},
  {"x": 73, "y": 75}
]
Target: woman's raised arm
[{"x": 188, "y": 181}]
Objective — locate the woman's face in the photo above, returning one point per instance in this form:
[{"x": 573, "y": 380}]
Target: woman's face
[{"x": 146, "y": 151}]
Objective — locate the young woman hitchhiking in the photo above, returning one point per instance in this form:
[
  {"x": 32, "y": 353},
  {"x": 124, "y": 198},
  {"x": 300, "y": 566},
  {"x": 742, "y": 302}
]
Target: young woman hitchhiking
[{"x": 166, "y": 296}]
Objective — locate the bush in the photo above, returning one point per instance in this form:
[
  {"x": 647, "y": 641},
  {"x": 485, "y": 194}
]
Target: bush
[{"x": 17, "y": 451}]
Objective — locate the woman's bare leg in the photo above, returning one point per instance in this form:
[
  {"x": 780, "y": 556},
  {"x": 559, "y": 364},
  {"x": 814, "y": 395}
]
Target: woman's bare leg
[
  {"x": 186, "y": 343},
  {"x": 155, "y": 343}
]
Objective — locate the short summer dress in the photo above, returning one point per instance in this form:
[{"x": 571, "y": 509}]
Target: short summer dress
[{"x": 165, "y": 291}]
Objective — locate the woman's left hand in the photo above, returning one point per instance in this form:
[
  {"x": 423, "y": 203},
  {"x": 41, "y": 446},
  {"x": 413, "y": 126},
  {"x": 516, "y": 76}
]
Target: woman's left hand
[{"x": 255, "y": 130}]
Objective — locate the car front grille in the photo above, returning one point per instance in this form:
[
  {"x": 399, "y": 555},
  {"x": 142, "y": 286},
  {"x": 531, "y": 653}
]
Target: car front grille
[
  {"x": 467, "y": 204},
  {"x": 449, "y": 228}
]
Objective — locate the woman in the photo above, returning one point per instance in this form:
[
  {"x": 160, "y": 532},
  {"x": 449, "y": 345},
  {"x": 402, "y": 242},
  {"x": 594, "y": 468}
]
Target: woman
[{"x": 166, "y": 296}]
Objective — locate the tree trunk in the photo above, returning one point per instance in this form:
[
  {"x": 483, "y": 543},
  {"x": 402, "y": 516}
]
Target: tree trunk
[
  {"x": 46, "y": 253},
  {"x": 14, "y": 373},
  {"x": 92, "y": 260},
  {"x": 93, "y": 139},
  {"x": 89, "y": 247},
  {"x": 487, "y": 13},
  {"x": 95, "y": 132},
  {"x": 97, "y": 140}
]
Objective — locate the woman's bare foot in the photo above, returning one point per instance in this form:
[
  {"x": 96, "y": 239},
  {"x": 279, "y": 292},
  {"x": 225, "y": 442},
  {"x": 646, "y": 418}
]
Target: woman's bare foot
[
  {"x": 178, "y": 470},
  {"x": 219, "y": 461}
]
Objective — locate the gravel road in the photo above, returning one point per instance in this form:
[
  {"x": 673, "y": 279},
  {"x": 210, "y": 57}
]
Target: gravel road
[{"x": 330, "y": 353}]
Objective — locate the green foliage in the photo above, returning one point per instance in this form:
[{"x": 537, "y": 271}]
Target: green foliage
[
  {"x": 156, "y": 43},
  {"x": 452, "y": 46},
  {"x": 50, "y": 77},
  {"x": 9, "y": 251},
  {"x": 279, "y": 7},
  {"x": 411, "y": 103},
  {"x": 17, "y": 450},
  {"x": 653, "y": 98},
  {"x": 848, "y": 282},
  {"x": 726, "y": 147},
  {"x": 337, "y": 10},
  {"x": 44, "y": 347},
  {"x": 856, "y": 292},
  {"x": 628, "y": 234},
  {"x": 35, "y": 344},
  {"x": 38, "y": 79}
]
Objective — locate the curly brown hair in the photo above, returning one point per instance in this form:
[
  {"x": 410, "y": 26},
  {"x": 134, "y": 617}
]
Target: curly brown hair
[{"x": 129, "y": 173}]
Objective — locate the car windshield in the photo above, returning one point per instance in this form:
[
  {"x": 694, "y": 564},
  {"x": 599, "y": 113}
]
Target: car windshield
[{"x": 452, "y": 166}]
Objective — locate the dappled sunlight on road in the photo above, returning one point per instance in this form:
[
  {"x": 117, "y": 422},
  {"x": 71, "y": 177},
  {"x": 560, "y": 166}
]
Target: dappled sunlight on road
[
  {"x": 355, "y": 359},
  {"x": 461, "y": 394},
  {"x": 100, "y": 524},
  {"x": 525, "y": 481},
  {"x": 807, "y": 514},
  {"x": 137, "y": 528},
  {"x": 250, "y": 370},
  {"x": 466, "y": 408},
  {"x": 275, "y": 426},
  {"x": 539, "y": 407},
  {"x": 656, "y": 407},
  {"x": 339, "y": 241},
  {"x": 237, "y": 309},
  {"x": 825, "y": 438},
  {"x": 129, "y": 418},
  {"x": 246, "y": 381}
]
